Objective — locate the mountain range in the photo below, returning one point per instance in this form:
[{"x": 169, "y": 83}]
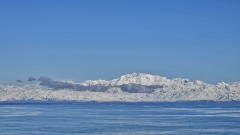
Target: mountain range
[{"x": 135, "y": 87}]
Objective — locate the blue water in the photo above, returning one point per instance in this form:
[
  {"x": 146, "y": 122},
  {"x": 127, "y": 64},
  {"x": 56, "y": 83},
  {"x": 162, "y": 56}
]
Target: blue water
[{"x": 180, "y": 118}]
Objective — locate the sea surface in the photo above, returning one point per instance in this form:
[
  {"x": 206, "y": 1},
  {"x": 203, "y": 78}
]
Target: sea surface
[{"x": 114, "y": 118}]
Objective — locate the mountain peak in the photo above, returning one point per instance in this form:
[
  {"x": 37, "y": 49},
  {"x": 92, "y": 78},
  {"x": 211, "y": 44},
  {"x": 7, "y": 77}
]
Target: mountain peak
[{"x": 135, "y": 78}]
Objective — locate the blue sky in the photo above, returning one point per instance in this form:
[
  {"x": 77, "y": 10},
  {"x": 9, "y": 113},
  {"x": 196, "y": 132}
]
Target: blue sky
[{"x": 92, "y": 39}]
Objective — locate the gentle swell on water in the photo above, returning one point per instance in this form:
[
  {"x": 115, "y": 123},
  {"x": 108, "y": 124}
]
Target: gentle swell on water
[{"x": 90, "y": 118}]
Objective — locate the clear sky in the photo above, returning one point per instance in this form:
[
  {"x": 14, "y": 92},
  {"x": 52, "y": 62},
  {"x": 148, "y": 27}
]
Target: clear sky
[{"x": 104, "y": 39}]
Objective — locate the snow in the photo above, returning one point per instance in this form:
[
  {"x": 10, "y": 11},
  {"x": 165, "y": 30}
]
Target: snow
[
  {"x": 136, "y": 78},
  {"x": 95, "y": 82},
  {"x": 177, "y": 89}
]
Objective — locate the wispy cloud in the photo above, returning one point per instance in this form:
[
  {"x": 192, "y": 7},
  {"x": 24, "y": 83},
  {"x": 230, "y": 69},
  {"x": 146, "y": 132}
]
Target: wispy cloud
[
  {"x": 19, "y": 81},
  {"x": 31, "y": 79}
]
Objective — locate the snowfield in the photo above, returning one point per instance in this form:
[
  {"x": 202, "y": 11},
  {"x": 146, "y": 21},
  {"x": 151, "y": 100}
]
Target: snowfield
[{"x": 153, "y": 88}]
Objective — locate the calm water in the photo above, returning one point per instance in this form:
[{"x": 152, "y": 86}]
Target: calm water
[{"x": 221, "y": 118}]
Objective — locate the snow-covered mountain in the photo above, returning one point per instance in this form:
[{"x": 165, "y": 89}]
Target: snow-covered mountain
[
  {"x": 133, "y": 87},
  {"x": 135, "y": 78}
]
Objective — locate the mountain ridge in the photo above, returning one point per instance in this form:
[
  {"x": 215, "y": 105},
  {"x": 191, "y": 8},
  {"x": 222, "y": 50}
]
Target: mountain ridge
[
  {"x": 136, "y": 78},
  {"x": 135, "y": 87}
]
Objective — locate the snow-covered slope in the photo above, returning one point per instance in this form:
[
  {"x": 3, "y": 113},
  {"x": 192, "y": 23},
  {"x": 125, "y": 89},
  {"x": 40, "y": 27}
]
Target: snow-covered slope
[
  {"x": 96, "y": 82},
  {"x": 125, "y": 88},
  {"x": 136, "y": 78}
]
